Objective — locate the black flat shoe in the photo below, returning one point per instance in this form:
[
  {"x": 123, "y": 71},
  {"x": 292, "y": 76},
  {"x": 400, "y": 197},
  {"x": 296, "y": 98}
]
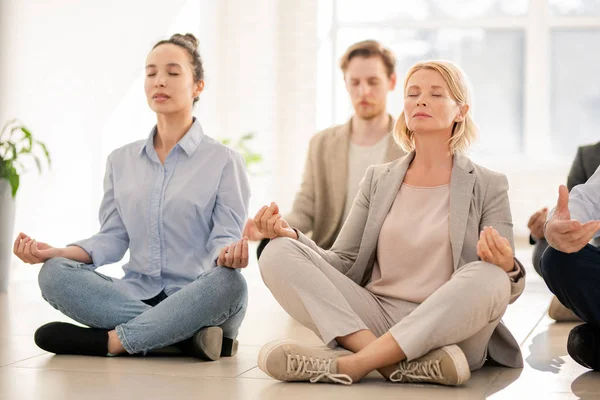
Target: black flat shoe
[
  {"x": 583, "y": 346},
  {"x": 64, "y": 338}
]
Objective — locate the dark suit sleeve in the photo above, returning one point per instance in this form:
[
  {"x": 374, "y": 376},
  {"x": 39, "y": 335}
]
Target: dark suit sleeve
[{"x": 577, "y": 174}]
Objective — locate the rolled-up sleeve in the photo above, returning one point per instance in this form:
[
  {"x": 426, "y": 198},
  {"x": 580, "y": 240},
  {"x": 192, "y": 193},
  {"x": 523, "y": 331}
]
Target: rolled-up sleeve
[
  {"x": 231, "y": 206},
  {"x": 584, "y": 200},
  {"x": 110, "y": 244}
]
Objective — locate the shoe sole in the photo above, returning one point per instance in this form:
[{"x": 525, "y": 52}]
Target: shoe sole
[
  {"x": 266, "y": 351},
  {"x": 209, "y": 342},
  {"x": 460, "y": 361}
]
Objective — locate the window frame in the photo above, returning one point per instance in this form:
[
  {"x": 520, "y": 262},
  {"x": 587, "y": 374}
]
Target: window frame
[{"x": 536, "y": 25}]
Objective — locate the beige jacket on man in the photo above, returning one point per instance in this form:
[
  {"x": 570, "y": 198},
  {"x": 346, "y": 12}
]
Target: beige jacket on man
[
  {"x": 478, "y": 198},
  {"x": 319, "y": 204}
]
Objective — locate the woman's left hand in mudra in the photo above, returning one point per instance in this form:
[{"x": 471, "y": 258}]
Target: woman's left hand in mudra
[
  {"x": 495, "y": 249},
  {"x": 235, "y": 255}
]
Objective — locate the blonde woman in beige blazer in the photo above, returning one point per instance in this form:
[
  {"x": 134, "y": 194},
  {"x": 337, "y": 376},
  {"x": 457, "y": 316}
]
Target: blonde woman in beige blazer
[{"x": 418, "y": 280}]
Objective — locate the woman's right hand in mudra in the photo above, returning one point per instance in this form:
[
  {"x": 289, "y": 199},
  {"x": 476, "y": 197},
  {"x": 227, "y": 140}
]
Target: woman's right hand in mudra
[
  {"x": 33, "y": 252},
  {"x": 271, "y": 224}
]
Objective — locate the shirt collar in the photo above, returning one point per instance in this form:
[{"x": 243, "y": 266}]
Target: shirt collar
[{"x": 188, "y": 143}]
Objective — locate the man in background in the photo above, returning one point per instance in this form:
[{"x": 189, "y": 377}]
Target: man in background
[{"x": 338, "y": 156}]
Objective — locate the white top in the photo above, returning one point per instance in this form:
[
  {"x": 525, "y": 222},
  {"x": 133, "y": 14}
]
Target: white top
[
  {"x": 414, "y": 254},
  {"x": 359, "y": 159}
]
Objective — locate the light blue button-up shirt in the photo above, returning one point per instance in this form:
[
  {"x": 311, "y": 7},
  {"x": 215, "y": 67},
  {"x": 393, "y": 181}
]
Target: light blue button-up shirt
[
  {"x": 584, "y": 201},
  {"x": 174, "y": 218}
]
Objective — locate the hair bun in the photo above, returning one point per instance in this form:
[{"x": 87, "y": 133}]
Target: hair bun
[{"x": 188, "y": 38}]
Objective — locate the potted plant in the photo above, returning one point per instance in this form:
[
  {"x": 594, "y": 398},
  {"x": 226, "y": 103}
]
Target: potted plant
[
  {"x": 16, "y": 145},
  {"x": 251, "y": 158}
]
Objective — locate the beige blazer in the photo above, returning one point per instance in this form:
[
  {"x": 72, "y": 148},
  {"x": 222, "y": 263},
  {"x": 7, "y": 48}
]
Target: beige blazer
[
  {"x": 319, "y": 204},
  {"x": 478, "y": 198}
]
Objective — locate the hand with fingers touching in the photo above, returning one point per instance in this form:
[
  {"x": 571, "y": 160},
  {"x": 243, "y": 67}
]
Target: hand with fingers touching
[
  {"x": 271, "y": 224},
  {"x": 495, "y": 249},
  {"x": 235, "y": 255},
  {"x": 251, "y": 231},
  {"x": 33, "y": 252},
  {"x": 566, "y": 234},
  {"x": 536, "y": 223}
]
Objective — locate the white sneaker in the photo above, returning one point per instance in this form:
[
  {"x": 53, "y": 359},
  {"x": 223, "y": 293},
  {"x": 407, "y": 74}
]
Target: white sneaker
[
  {"x": 291, "y": 361},
  {"x": 558, "y": 312},
  {"x": 445, "y": 366}
]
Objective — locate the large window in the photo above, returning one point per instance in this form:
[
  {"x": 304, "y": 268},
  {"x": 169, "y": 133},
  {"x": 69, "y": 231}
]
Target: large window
[{"x": 532, "y": 64}]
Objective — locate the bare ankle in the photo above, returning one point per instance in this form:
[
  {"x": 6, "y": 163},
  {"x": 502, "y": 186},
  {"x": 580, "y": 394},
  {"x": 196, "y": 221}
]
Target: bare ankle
[
  {"x": 114, "y": 344},
  {"x": 348, "y": 365},
  {"x": 387, "y": 371}
]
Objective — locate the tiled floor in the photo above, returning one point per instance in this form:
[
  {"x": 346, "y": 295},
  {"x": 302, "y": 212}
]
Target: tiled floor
[{"x": 26, "y": 372}]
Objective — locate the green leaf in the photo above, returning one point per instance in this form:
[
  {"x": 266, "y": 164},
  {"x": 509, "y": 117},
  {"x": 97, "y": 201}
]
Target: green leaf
[
  {"x": 241, "y": 146},
  {"x": 13, "y": 149},
  {"x": 26, "y": 150},
  {"x": 253, "y": 158},
  {"x": 13, "y": 179},
  {"x": 45, "y": 149},
  {"x": 248, "y": 136},
  {"x": 38, "y": 164},
  {"x": 28, "y": 136}
]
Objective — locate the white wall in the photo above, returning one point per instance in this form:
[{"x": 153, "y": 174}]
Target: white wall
[
  {"x": 267, "y": 84},
  {"x": 73, "y": 71}
]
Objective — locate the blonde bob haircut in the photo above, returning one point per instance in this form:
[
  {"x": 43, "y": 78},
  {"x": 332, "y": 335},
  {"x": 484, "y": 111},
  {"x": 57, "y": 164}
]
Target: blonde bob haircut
[{"x": 464, "y": 132}]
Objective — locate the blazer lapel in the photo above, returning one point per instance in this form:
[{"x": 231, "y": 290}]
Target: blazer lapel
[
  {"x": 461, "y": 193},
  {"x": 338, "y": 166},
  {"x": 380, "y": 204}
]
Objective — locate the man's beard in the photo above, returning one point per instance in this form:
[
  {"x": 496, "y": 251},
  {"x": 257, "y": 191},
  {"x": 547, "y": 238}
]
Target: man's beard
[{"x": 370, "y": 112}]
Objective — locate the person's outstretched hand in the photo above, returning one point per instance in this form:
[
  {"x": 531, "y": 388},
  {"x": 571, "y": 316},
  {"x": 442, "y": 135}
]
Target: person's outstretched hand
[{"x": 566, "y": 234}]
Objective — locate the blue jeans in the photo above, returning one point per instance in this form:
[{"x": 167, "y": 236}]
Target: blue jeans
[
  {"x": 575, "y": 279},
  {"x": 218, "y": 297}
]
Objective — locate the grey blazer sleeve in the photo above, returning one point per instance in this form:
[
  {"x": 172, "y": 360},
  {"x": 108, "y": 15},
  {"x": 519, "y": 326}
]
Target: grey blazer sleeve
[
  {"x": 344, "y": 251},
  {"x": 496, "y": 213},
  {"x": 577, "y": 173}
]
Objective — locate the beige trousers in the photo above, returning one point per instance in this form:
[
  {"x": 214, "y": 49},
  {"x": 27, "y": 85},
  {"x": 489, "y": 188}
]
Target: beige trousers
[{"x": 464, "y": 311}]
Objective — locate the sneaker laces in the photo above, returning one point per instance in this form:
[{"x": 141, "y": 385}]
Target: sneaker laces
[
  {"x": 315, "y": 367},
  {"x": 418, "y": 371}
]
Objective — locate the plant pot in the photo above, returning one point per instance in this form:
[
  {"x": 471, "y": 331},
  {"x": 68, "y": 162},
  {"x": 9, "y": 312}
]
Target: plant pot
[{"x": 7, "y": 221}]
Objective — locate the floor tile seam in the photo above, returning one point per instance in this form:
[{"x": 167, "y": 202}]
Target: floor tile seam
[
  {"x": 24, "y": 359},
  {"x": 532, "y": 330},
  {"x": 120, "y": 372}
]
